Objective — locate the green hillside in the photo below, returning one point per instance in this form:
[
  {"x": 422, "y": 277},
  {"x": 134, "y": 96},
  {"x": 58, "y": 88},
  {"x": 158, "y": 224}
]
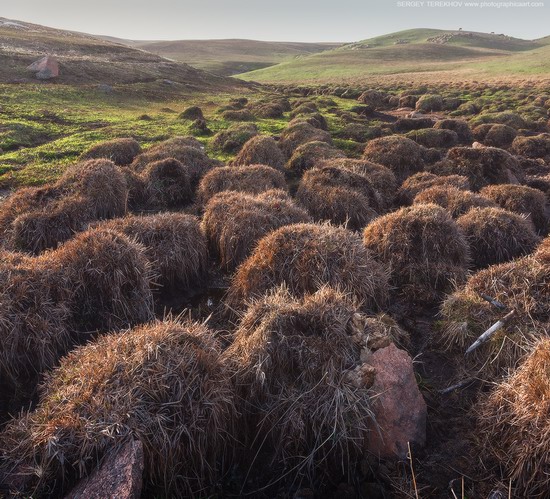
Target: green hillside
[{"x": 416, "y": 51}]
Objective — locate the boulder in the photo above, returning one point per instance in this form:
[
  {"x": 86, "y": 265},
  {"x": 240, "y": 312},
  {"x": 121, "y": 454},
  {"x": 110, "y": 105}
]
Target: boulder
[
  {"x": 45, "y": 68},
  {"x": 120, "y": 476},
  {"x": 398, "y": 405}
]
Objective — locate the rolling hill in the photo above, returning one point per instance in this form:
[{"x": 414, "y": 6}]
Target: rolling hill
[
  {"x": 228, "y": 57},
  {"x": 427, "y": 52},
  {"x": 85, "y": 59}
]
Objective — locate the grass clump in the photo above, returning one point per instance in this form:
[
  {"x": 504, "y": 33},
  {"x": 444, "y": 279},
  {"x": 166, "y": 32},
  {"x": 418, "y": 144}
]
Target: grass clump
[
  {"x": 482, "y": 166},
  {"x": 455, "y": 201},
  {"x": 299, "y": 371},
  {"x": 514, "y": 424},
  {"x": 174, "y": 244},
  {"x": 167, "y": 184},
  {"x": 522, "y": 200},
  {"x": 251, "y": 179},
  {"x": 418, "y": 182},
  {"x": 495, "y": 135},
  {"x": 520, "y": 285},
  {"x": 234, "y": 222},
  {"x": 434, "y": 137},
  {"x": 299, "y": 133},
  {"x": 429, "y": 103},
  {"x": 305, "y": 257},
  {"x": 120, "y": 151},
  {"x": 192, "y": 113},
  {"x": 460, "y": 127},
  {"x": 233, "y": 138},
  {"x": 423, "y": 247},
  {"x": 163, "y": 384},
  {"x": 380, "y": 177},
  {"x": 532, "y": 147},
  {"x": 400, "y": 154},
  {"x": 260, "y": 150},
  {"x": 339, "y": 195},
  {"x": 308, "y": 155},
  {"x": 496, "y": 235}
]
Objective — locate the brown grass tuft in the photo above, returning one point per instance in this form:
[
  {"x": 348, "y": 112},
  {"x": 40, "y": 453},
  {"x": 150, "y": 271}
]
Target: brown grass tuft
[
  {"x": 252, "y": 179},
  {"x": 381, "y": 178},
  {"x": 307, "y": 256},
  {"x": 310, "y": 154},
  {"x": 260, "y": 150},
  {"x": 532, "y": 147},
  {"x": 98, "y": 281},
  {"x": 167, "y": 184},
  {"x": 120, "y": 151},
  {"x": 162, "y": 384},
  {"x": 424, "y": 249},
  {"x": 495, "y": 135},
  {"x": 496, "y": 235},
  {"x": 299, "y": 371},
  {"x": 339, "y": 195},
  {"x": 234, "y": 222},
  {"x": 514, "y": 427},
  {"x": 233, "y": 138},
  {"x": 299, "y": 133},
  {"x": 36, "y": 219},
  {"x": 523, "y": 200},
  {"x": 424, "y": 180},
  {"x": 483, "y": 166},
  {"x": 185, "y": 150},
  {"x": 522, "y": 285},
  {"x": 434, "y": 137},
  {"x": 455, "y": 201},
  {"x": 460, "y": 127},
  {"x": 400, "y": 154},
  {"x": 174, "y": 244}
]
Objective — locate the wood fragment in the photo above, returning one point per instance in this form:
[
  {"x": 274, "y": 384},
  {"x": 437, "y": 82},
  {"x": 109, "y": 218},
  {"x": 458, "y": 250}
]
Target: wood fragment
[{"x": 486, "y": 336}]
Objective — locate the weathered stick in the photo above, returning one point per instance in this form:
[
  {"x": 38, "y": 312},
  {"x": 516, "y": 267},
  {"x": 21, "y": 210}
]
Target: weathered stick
[
  {"x": 486, "y": 336},
  {"x": 462, "y": 384},
  {"x": 493, "y": 301}
]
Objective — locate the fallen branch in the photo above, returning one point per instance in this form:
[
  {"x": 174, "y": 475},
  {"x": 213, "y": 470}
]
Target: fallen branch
[{"x": 486, "y": 336}]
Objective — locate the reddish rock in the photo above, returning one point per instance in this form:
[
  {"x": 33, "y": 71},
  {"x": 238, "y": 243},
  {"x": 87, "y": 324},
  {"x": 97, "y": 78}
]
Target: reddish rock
[
  {"x": 120, "y": 476},
  {"x": 398, "y": 406},
  {"x": 45, "y": 68}
]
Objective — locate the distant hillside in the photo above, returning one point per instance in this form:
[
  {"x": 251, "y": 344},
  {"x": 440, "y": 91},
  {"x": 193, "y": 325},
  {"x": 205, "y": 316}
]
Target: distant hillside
[
  {"x": 229, "y": 57},
  {"x": 418, "y": 51},
  {"x": 85, "y": 59}
]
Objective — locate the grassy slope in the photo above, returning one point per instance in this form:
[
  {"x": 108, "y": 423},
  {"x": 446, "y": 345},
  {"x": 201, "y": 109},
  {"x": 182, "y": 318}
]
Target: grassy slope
[
  {"x": 85, "y": 59},
  {"x": 493, "y": 55},
  {"x": 229, "y": 57}
]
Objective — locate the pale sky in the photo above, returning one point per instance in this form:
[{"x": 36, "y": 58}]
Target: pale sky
[{"x": 285, "y": 20}]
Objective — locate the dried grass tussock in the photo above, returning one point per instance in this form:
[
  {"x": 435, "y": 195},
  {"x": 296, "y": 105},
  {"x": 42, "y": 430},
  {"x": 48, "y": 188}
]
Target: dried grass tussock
[
  {"x": 260, "y": 150},
  {"x": 339, "y": 195},
  {"x": 455, "y": 201},
  {"x": 496, "y": 235},
  {"x": 424, "y": 249},
  {"x": 299, "y": 370},
  {"x": 99, "y": 281},
  {"x": 36, "y": 219},
  {"x": 380, "y": 177},
  {"x": 514, "y": 424},
  {"x": 306, "y": 257},
  {"x": 400, "y": 154},
  {"x": 420, "y": 181},
  {"x": 174, "y": 244},
  {"x": 522, "y": 285},
  {"x": 234, "y": 222},
  {"x": 252, "y": 179},
  {"x": 120, "y": 151},
  {"x": 163, "y": 384}
]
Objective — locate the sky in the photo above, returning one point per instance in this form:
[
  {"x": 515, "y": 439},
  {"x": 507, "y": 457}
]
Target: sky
[{"x": 283, "y": 20}]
